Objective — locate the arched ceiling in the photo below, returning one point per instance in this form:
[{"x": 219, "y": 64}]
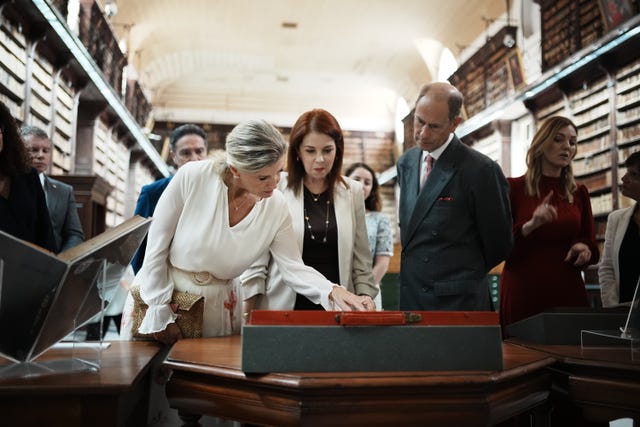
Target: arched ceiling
[{"x": 224, "y": 61}]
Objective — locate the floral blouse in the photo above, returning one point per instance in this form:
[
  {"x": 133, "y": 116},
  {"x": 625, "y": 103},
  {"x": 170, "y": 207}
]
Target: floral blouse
[{"x": 379, "y": 233}]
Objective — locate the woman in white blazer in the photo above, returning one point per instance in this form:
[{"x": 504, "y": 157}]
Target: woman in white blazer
[
  {"x": 619, "y": 268},
  {"x": 328, "y": 216}
]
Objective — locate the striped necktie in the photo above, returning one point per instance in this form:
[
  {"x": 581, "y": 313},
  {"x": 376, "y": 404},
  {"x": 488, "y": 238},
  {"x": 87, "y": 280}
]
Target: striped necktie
[{"x": 427, "y": 170}]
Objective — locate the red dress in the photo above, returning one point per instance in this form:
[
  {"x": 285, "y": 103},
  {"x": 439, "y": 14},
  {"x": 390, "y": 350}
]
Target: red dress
[{"x": 535, "y": 276}]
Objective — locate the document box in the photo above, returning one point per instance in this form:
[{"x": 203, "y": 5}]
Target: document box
[{"x": 322, "y": 341}]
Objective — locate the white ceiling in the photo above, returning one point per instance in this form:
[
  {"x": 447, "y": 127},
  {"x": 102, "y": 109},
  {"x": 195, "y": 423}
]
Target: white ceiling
[{"x": 224, "y": 61}]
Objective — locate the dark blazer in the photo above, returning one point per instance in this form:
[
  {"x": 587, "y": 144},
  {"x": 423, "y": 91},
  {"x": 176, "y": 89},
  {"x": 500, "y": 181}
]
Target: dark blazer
[
  {"x": 24, "y": 213},
  {"x": 146, "y": 205},
  {"x": 453, "y": 231},
  {"x": 63, "y": 211}
]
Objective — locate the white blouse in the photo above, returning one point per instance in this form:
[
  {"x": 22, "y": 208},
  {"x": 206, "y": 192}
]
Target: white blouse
[{"x": 190, "y": 230}]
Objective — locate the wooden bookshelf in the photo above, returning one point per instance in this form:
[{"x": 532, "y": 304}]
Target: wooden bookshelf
[
  {"x": 490, "y": 75},
  {"x": 13, "y": 70},
  {"x": 40, "y": 82},
  {"x": 137, "y": 102},
  {"x": 567, "y": 26},
  {"x": 111, "y": 162},
  {"x": 604, "y": 104}
]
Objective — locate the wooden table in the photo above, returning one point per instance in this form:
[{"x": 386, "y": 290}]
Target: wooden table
[
  {"x": 207, "y": 379},
  {"x": 117, "y": 395},
  {"x": 603, "y": 384}
]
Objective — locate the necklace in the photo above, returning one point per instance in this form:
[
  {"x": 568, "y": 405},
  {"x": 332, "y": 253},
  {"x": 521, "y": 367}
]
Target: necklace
[
  {"x": 326, "y": 219},
  {"x": 315, "y": 197},
  {"x": 237, "y": 207}
]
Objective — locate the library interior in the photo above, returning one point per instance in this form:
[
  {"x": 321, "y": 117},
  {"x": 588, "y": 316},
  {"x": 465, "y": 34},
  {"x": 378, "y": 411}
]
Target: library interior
[{"x": 110, "y": 82}]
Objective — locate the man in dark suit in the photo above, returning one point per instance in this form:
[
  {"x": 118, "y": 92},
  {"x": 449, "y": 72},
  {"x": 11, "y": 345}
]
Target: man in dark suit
[
  {"x": 455, "y": 220},
  {"x": 61, "y": 203},
  {"x": 188, "y": 143}
]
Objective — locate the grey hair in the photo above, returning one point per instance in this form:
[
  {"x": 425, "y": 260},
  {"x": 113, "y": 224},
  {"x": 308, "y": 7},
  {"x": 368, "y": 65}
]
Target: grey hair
[
  {"x": 33, "y": 131},
  {"x": 253, "y": 145}
]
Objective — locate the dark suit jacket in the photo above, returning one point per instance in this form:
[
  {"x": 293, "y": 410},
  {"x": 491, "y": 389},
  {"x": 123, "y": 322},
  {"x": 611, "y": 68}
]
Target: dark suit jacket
[
  {"x": 24, "y": 213},
  {"x": 63, "y": 212},
  {"x": 146, "y": 205},
  {"x": 453, "y": 231}
]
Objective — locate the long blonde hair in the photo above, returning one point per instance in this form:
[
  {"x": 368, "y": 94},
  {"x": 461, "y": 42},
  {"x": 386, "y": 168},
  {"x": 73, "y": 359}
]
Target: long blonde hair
[{"x": 543, "y": 137}]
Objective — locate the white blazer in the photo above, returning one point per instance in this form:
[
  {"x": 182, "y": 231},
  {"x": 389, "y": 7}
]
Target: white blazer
[
  {"x": 354, "y": 256},
  {"x": 608, "y": 269}
]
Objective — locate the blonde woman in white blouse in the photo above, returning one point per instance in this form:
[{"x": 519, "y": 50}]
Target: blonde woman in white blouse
[{"x": 215, "y": 218}]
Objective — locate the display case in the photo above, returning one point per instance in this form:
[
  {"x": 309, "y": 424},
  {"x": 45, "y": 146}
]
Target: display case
[
  {"x": 319, "y": 341},
  {"x": 44, "y": 297}
]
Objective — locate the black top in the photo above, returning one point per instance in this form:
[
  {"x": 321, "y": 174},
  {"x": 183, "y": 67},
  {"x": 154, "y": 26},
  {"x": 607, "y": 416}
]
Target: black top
[
  {"x": 628, "y": 262},
  {"x": 320, "y": 247},
  {"x": 24, "y": 213}
]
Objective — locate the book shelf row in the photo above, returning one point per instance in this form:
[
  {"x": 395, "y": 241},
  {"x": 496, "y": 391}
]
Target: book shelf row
[
  {"x": 566, "y": 27},
  {"x": 602, "y": 97},
  {"x": 39, "y": 94}
]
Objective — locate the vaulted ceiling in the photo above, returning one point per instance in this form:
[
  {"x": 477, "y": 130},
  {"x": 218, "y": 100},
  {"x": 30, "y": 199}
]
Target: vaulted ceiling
[{"x": 223, "y": 61}]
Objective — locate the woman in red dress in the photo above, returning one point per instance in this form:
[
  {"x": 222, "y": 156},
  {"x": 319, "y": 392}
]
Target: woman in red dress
[{"x": 554, "y": 237}]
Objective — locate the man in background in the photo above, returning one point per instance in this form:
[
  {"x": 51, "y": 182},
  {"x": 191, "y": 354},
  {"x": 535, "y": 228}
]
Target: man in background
[
  {"x": 188, "y": 143},
  {"x": 455, "y": 217},
  {"x": 61, "y": 203}
]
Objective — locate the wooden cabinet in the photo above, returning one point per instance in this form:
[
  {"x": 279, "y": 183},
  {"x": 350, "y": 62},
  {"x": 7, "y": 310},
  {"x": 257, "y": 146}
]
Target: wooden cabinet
[{"x": 91, "y": 194}]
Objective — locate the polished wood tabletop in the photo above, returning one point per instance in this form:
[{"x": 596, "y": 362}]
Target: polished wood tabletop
[
  {"x": 116, "y": 395},
  {"x": 603, "y": 383},
  {"x": 207, "y": 379}
]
